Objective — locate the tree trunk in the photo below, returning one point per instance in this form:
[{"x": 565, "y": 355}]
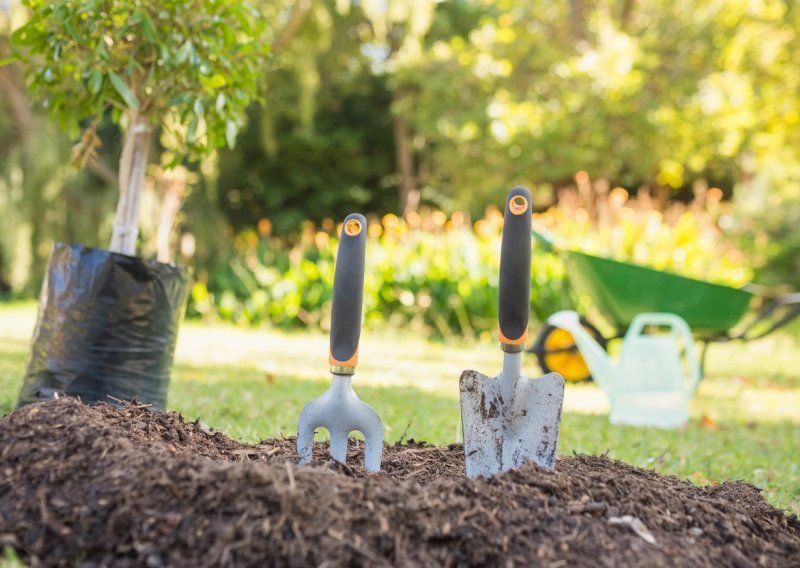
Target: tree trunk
[
  {"x": 299, "y": 13},
  {"x": 13, "y": 89},
  {"x": 577, "y": 19},
  {"x": 404, "y": 155},
  {"x": 132, "y": 169},
  {"x": 626, "y": 14},
  {"x": 174, "y": 194}
]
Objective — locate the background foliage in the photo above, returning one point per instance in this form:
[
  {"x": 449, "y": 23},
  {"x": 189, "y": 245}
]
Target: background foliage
[
  {"x": 405, "y": 106},
  {"x": 438, "y": 276},
  {"x": 192, "y": 61}
]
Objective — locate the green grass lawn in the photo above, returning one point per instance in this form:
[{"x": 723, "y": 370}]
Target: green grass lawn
[{"x": 252, "y": 383}]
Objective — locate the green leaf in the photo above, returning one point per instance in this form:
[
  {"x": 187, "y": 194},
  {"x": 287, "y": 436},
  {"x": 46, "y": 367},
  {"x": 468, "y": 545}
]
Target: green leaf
[
  {"x": 148, "y": 29},
  {"x": 71, "y": 30},
  {"x": 217, "y": 81},
  {"x": 166, "y": 56},
  {"x": 191, "y": 133},
  {"x": 95, "y": 81},
  {"x": 184, "y": 52},
  {"x": 124, "y": 91},
  {"x": 101, "y": 50},
  {"x": 22, "y": 36},
  {"x": 220, "y": 102},
  {"x": 231, "y": 130}
]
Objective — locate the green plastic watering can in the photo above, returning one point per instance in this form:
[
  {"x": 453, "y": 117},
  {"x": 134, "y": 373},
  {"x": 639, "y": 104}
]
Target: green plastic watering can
[{"x": 656, "y": 374}]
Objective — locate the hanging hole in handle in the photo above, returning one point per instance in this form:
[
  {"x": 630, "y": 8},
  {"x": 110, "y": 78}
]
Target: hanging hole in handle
[
  {"x": 518, "y": 205},
  {"x": 352, "y": 227}
]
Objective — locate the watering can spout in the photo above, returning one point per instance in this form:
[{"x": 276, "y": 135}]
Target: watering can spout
[{"x": 600, "y": 365}]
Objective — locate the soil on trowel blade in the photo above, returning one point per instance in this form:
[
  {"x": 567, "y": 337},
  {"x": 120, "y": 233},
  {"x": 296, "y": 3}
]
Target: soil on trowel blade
[{"x": 101, "y": 486}]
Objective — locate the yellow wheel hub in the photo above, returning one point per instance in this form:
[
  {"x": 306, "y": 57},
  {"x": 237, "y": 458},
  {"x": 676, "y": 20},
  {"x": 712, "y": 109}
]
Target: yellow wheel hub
[{"x": 569, "y": 364}]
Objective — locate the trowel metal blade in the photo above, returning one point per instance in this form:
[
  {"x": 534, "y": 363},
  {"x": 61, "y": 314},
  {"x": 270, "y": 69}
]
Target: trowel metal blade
[
  {"x": 533, "y": 420},
  {"x": 482, "y": 424},
  {"x": 500, "y": 435}
]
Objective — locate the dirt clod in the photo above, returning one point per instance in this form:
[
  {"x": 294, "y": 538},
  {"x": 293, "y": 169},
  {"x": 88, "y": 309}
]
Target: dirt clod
[{"x": 102, "y": 486}]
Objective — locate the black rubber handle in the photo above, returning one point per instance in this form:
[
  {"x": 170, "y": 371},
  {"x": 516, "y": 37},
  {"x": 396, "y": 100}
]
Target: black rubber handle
[
  {"x": 515, "y": 270},
  {"x": 348, "y": 292}
]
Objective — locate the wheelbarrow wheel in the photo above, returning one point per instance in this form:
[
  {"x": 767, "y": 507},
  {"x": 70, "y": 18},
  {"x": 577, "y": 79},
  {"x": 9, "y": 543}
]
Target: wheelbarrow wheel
[{"x": 556, "y": 352}]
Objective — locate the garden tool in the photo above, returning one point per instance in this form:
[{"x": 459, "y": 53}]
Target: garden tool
[
  {"x": 656, "y": 375},
  {"x": 339, "y": 409},
  {"x": 511, "y": 418}
]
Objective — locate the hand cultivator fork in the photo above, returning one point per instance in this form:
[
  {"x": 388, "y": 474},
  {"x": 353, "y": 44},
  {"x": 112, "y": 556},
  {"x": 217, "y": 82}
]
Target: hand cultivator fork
[{"x": 339, "y": 409}]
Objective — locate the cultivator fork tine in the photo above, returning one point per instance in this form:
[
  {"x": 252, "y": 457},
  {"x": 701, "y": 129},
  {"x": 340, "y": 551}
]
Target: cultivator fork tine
[
  {"x": 305, "y": 447},
  {"x": 369, "y": 424},
  {"x": 339, "y": 445},
  {"x": 307, "y": 426}
]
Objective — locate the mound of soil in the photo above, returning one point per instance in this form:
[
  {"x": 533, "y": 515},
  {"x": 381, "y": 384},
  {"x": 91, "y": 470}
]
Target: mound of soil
[{"x": 101, "y": 486}]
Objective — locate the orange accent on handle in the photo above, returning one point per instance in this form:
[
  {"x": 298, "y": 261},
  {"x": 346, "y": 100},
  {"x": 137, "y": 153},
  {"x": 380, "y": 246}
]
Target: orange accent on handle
[
  {"x": 518, "y": 205},
  {"x": 519, "y": 341},
  {"x": 351, "y": 362}
]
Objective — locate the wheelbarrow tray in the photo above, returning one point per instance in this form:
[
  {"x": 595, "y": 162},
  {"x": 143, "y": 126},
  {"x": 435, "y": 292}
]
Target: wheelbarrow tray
[{"x": 621, "y": 290}]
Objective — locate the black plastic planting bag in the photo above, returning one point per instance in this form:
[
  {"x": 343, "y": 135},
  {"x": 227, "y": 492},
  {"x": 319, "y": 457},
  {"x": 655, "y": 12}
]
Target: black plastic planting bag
[{"x": 107, "y": 328}]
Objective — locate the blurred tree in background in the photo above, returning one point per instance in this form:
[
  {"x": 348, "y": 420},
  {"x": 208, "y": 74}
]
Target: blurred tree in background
[
  {"x": 41, "y": 198},
  {"x": 186, "y": 67},
  {"x": 393, "y": 106}
]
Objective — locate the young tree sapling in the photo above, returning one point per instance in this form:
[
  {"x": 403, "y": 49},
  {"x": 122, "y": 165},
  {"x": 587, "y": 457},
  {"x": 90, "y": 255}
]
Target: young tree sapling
[{"x": 197, "y": 62}]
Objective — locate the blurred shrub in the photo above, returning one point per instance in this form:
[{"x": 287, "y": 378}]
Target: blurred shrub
[
  {"x": 431, "y": 274},
  {"x": 695, "y": 239},
  {"x": 438, "y": 276}
]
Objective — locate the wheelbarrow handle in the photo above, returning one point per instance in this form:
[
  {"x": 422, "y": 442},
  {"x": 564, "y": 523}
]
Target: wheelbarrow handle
[
  {"x": 788, "y": 304},
  {"x": 515, "y": 271},
  {"x": 348, "y": 294}
]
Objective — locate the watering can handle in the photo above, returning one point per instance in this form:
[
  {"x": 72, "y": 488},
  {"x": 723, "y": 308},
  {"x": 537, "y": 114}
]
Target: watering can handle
[
  {"x": 515, "y": 271},
  {"x": 348, "y": 293},
  {"x": 680, "y": 330}
]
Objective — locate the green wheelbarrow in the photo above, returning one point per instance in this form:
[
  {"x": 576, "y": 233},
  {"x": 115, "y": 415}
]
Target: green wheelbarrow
[{"x": 622, "y": 290}]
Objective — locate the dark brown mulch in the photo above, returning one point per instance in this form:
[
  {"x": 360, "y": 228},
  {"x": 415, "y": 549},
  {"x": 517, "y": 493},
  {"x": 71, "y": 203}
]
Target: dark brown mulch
[{"x": 100, "y": 486}]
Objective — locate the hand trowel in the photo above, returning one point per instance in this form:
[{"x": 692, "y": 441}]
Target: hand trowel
[{"x": 511, "y": 418}]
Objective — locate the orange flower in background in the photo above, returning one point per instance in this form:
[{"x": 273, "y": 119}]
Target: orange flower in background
[
  {"x": 493, "y": 215},
  {"x": 714, "y": 195},
  {"x": 390, "y": 221},
  {"x": 374, "y": 230},
  {"x": 458, "y": 219},
  {"x": 247, "y": 239},
  {"x": 617, "y": 197},
  {"x": 307, "y": 235},
  {"x": 321, "y": 239},
  {"x": 264, "y": 227},
  {"x": 414, "y": 220},
  {"x": 296, "y": 255},
  {"x": 483, "y": 228},
  {"x": 439, "y": 219},
  {"x": 582, "y": 215}
]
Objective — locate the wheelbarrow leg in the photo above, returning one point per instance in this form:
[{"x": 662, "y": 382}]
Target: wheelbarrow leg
[{"x": 703, "y": 358}]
